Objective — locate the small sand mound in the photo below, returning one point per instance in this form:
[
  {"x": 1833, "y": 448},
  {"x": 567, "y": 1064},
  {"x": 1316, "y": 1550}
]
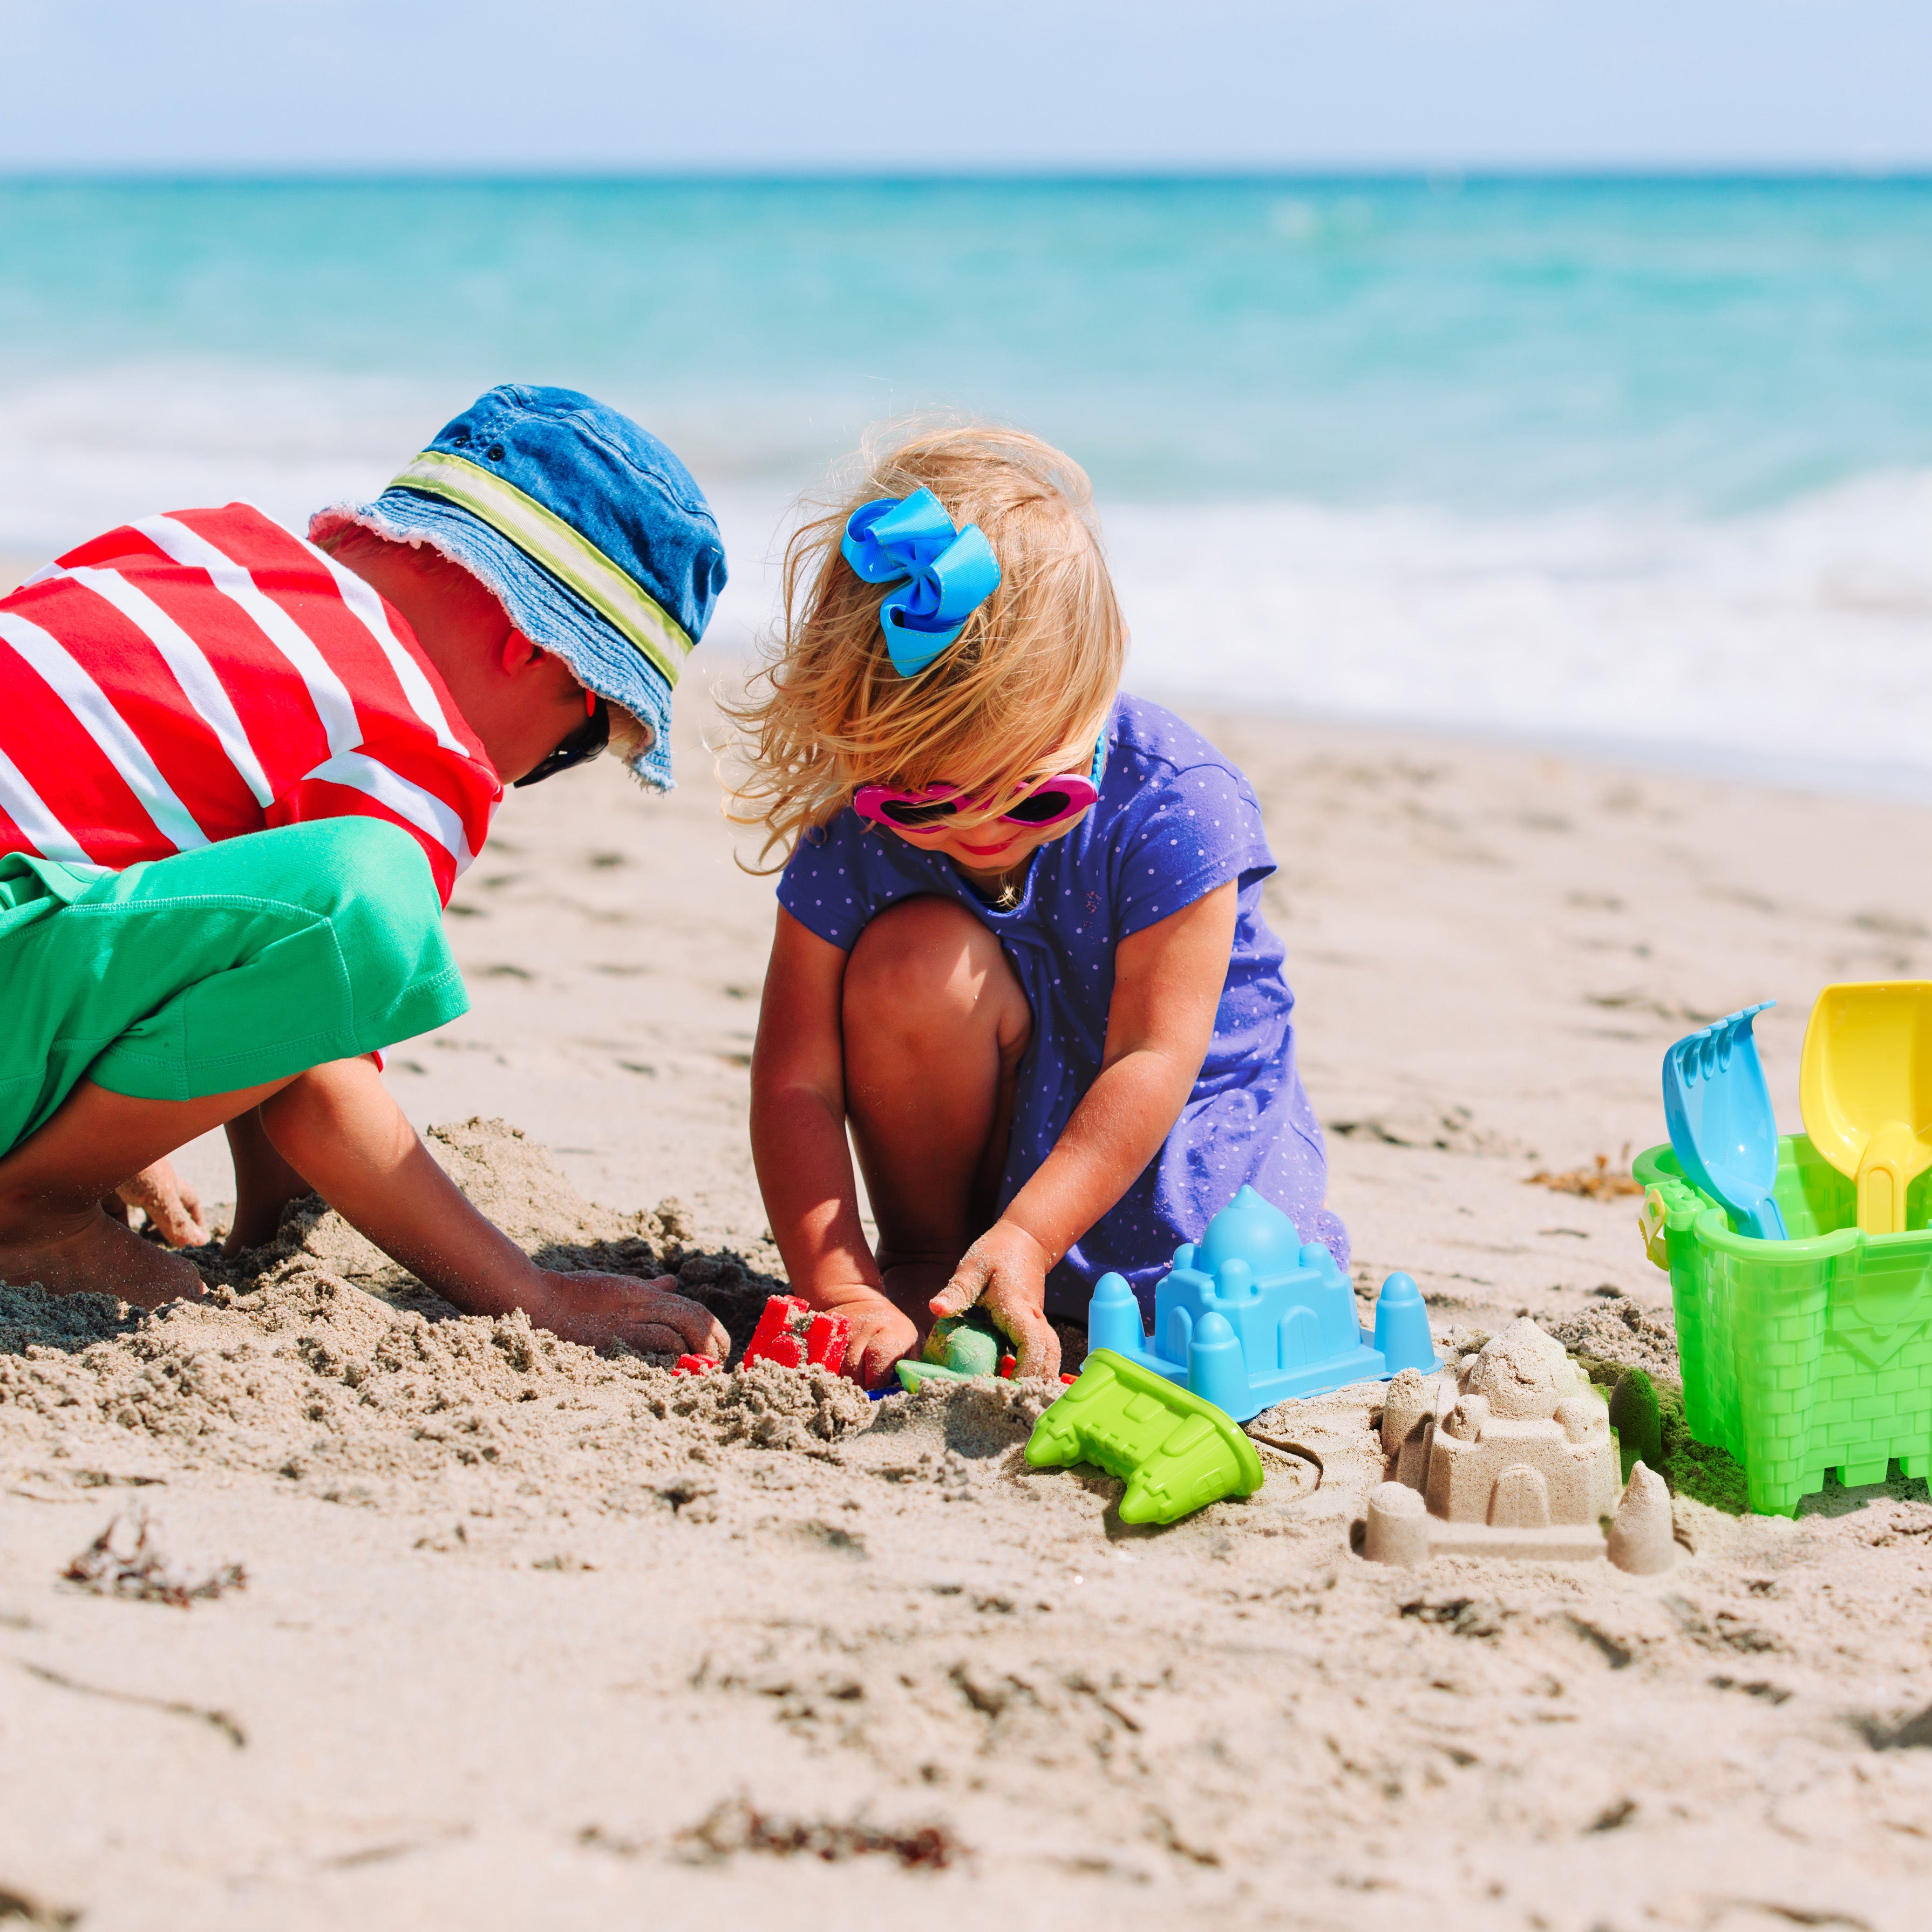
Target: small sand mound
[
  {"x": 318, "y": 1353},
  {"x": 978, "y": 1419},
  {"x": 769, "y": 1407},
  {"x": 1619, "y": 1330}
]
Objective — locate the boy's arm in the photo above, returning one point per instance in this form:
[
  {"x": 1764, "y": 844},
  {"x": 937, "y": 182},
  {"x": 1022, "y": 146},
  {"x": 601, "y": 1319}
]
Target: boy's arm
[
  {"x": 803, "y": 1158},
  {"x": 1167, "y": 981},
  {"x": 337, "y": 1126}
]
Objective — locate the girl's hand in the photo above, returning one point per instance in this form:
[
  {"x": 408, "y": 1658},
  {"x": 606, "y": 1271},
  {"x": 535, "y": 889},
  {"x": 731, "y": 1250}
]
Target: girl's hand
[
  {"x": 1005, "y": 1272},
  {"x": 881, "y": 1335}
]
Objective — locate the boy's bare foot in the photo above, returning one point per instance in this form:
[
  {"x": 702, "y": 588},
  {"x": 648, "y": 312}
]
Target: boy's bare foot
[
  {"x": 647, "y": 1315},
  {"x": 99, "y": 1257}
]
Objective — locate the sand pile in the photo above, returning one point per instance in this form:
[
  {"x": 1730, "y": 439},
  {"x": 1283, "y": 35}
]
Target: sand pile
[
  {"x": 316, "y": 1358},
  {"x": 1616, "y": 1329}
]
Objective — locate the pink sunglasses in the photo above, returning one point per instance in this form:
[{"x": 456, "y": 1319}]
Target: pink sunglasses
[{"x": 927, "y": 807}]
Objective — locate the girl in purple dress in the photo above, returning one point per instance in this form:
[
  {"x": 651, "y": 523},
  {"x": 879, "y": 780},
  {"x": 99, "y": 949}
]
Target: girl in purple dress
[{"x": 1020, "y": 952}]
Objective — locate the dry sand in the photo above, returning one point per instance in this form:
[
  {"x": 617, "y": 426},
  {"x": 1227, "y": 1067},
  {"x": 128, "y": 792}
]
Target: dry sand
[{"x": 529, "y": 1637}]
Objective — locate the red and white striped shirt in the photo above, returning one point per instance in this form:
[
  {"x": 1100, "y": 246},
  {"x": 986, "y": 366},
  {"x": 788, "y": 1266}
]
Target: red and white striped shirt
[{"x": 192, "y": 677}]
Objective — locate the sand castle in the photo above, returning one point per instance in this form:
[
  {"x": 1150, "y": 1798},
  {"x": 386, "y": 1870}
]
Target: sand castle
[{"x": 1509, "y": 1453}]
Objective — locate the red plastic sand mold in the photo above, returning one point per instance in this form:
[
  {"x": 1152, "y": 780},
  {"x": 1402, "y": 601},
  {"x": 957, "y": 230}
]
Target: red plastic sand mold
[{"x": 790, "y": 1334}]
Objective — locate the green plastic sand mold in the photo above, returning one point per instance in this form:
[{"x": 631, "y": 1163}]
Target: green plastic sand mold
[
  {"x": 1801, "y": 1355},
  {"x": 960, "y": 1347},
  {"x": 1175, "y": 1452}
]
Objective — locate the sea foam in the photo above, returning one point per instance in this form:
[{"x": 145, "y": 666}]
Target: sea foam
[
  {"x": 1796, "y": 641},
  {"x": 1793, "y": 641}
]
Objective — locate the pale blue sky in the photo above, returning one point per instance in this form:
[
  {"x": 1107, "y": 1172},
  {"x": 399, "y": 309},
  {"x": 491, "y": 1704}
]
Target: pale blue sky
[{"x": 758, "y": 84}]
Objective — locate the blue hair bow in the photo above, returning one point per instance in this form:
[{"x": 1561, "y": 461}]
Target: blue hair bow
[{"x": 950, "y": 573}]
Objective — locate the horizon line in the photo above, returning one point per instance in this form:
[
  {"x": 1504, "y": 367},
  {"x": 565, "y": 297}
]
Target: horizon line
[{"x": 1441, "y": 175}]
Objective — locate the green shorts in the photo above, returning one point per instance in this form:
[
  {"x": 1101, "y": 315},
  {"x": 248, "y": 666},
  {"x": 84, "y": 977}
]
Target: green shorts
[{"x": 219, "y": 969}]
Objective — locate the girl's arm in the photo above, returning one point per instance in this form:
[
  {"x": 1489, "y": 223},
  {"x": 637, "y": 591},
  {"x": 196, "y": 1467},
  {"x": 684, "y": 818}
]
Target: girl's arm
[
  {"x": 1168, "y": 980},
  {"x": 798, "y": 1145}
]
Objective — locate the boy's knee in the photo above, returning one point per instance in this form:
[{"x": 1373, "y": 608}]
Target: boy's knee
[
  {"x": 921, "y": 959},
  {"x": 322, "y": 1103}
]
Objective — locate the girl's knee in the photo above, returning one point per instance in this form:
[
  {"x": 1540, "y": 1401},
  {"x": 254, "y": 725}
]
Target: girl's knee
[{"x": 925, "y": 959}]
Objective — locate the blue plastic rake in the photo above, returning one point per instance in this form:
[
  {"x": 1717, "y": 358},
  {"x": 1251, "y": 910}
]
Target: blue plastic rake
[{"x": 1722, "y": 1129}]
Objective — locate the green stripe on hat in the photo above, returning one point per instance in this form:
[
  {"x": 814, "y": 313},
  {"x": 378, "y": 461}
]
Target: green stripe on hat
[{"x": 569, "y": 556}]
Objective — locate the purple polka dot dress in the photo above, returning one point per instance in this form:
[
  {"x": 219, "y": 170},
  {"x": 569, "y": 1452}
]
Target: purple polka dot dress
[{"x": 1175, "y": 819}]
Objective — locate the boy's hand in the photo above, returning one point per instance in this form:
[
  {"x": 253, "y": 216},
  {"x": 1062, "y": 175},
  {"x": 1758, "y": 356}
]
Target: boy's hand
[
  {"x": 170, "y": 1205},
  {"x": 1005, "y": 1272},
  {"x": 646, "y": 1316},
  {"x": 881, "y": 1334}
]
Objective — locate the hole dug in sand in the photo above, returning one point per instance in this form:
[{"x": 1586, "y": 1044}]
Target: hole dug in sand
[{"x": 316, "y": 1359}]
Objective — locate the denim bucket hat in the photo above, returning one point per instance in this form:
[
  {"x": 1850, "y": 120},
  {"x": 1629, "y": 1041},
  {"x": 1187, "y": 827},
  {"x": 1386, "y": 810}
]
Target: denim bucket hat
[{"x": 590, "y": 532}]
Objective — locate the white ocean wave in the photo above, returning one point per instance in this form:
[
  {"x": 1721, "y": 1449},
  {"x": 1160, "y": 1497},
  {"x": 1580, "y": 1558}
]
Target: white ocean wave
[
  {"x": 1797, "y": 639},
  {"x": 1800, "y": 636},
  {"x": 81, "y": 452}
]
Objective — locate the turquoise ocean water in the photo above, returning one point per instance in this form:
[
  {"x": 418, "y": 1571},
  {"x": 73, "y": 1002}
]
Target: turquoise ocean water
[{"x": 1627, "y": 461}]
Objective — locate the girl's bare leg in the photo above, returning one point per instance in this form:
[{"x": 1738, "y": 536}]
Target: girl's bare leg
[{"x": 936, "y": 1025}]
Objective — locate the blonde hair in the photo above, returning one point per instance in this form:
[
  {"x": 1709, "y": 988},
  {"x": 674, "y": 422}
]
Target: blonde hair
[{"x": 1028, "y": 683}]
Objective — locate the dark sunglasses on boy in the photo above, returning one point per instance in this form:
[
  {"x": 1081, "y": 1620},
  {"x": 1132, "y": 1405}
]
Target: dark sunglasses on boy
[{"x": 582, "y": 745}]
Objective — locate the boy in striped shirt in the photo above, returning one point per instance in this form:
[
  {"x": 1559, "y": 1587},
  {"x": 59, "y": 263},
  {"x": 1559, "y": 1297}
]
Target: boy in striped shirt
[{"x": 240, "y": 773}]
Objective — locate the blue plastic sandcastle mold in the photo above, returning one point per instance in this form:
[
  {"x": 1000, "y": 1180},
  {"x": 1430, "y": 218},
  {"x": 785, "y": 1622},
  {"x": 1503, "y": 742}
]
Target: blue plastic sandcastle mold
[{"x": 1250, "y": 1315}]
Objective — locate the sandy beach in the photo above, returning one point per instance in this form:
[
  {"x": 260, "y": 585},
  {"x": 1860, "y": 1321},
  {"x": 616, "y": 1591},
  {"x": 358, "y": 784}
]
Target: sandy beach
[{"x": 524, "y": 1636}]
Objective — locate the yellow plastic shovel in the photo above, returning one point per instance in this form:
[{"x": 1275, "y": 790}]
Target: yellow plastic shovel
[{"x": 1864, "y": 1085}]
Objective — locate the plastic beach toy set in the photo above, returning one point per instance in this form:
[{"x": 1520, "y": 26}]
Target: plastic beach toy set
[
  {"x": 1247, "y": 1317},
  {"x": 1801, "y": 1265},
  {"x": 1509, "y": 1452},
  {"x": 1801, "y": 1268}
]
